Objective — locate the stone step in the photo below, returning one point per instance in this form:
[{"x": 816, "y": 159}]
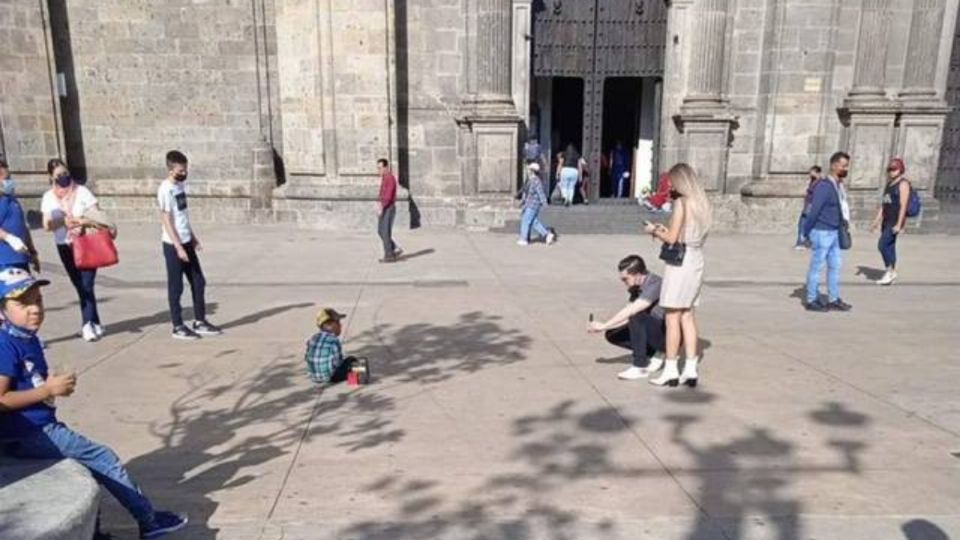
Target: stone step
[
  {"x": 615, "y": 217},
  {"x": 47, "y": 500}
]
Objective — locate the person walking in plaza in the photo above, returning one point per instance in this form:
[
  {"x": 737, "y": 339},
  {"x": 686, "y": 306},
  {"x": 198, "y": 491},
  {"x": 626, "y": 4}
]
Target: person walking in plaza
[
  {"x": 533, "y": 198},
  {"x": 29, "y": 427},
  {"x": 387, "y": 211},
  {"x": 813, "y": 176},
  {"x": 569, "y": 171},
  {"x": 638, "y": 326},
  {"x": 63, "y": 207},
  {"x": 180, "y": 252},
  {"x": 16, "y": 249},
  {"x": 619, "y": 166},
  {"x": 683, "y": 277},
  {"x": 892, "y": 217},
  {"x": 823, "y": 224}
]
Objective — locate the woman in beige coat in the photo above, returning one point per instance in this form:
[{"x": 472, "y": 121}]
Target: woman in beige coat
[{"x": 680, "y": 293}]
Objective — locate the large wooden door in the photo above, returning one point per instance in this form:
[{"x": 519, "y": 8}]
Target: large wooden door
[{"x": 593, "y": 40}]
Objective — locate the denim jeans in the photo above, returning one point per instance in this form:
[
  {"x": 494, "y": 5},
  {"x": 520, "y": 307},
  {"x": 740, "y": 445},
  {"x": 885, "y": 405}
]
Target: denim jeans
[
  {"x": 568, "y": 183},
  {"x": 385, "y": 230},
  {"x": 888, "y": 247},
  {"x": 57, "y": 441},
  {"x": 83, "y": 282},
  {"x": 530, "y": 219},
  {"x": 176, "y": 269},
  {"x": 825, "y": 246},
  {"x": 644, "y": 334}
]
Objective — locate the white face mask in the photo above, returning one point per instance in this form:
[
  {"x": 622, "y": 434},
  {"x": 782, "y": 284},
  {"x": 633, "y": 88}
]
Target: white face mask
[{"x": 8, "y": 186}]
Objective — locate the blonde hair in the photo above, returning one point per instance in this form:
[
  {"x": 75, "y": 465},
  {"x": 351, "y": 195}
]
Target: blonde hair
[{"x": 698, "y": 211}]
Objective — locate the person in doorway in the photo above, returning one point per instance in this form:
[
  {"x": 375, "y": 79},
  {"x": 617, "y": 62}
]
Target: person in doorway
[
  {"x": 813, "y": 176},
  {"x": 29, "y": 427},
  {"x": 16, "y": 249},
  {"x": 822, "y": 229},
  {"x": 660, "y": 201},
  {"x": 63, "y": 207},
  {"x": 533, "y": 198},
  {"x": 180, "y": 252},
  {"x": 569, "y": 171},
  {"x": 680, "y": 293},
  {"x": 619, "y": 170},
  {"x": 892, "y": 217},
  {"x": 387, "y": 211},
  {"x": 639, "y": 326}
]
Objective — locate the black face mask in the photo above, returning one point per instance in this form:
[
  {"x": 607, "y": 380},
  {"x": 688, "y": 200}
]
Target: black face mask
[
  {"x": 634, "y": 292},
  {"x": 63, "y": 181},
  {"x": 674, "y": 194},
  {"x": 842, "y": 174},
  {"x": 180, "y": 177}
]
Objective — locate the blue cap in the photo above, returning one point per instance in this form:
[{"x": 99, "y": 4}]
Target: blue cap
[{"x": 16, "y": 281}]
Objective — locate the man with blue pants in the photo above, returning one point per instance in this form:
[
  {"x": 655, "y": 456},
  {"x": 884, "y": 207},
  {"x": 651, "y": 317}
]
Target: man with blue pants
[{"x": 822, "y": 228}]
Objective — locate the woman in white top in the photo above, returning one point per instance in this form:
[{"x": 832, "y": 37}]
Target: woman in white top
[
  {"x": 63, "y": 207},
  {"x": 680, "y": 292}
]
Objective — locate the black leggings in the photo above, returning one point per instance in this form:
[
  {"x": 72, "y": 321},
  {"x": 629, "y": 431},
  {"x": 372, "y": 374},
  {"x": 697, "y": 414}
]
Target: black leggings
[{"x": 83, "y": 282}]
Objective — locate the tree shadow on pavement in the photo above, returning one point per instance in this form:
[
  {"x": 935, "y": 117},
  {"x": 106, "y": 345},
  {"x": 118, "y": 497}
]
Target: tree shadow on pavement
[{"x": 921, "y": 529}]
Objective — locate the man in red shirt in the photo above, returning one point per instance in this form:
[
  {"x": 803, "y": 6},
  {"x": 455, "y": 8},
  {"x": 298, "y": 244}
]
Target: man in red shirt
[{"x": 387, "y": 211}]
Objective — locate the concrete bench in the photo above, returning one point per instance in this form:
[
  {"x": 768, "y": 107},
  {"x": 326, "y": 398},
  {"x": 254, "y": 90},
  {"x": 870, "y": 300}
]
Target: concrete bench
[{"x": 47, "y": 500}]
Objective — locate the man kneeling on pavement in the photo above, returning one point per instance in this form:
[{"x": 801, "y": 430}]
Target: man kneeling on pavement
[
  {"x": 639, "y": 326},
  {"x": 324, "y": 356}
]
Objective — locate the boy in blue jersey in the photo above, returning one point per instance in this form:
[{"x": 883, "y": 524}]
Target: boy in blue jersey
[{"x": 29, "y": 428}]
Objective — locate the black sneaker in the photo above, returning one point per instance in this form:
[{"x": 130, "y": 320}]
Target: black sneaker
[
  {"x": 184, "y": 333},
  {"x": 816, "y": 306},
  {"x": 163, "y": 523},
  {"x": 204, "y": 328},
  {"x": 839, "y": 305}
]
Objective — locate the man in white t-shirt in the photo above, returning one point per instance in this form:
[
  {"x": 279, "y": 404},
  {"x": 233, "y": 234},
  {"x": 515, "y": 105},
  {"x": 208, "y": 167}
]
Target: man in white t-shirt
[{"x": 180, "y": 247}]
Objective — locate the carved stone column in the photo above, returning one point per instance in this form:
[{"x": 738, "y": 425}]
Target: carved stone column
[
  {"x": 522, "y": 31},
  {"x": 919, "y": 79},
  {"x": 871, "y": 60},
  {"x": 705, "y": 121},
  {"x": 490, "y": 125}
]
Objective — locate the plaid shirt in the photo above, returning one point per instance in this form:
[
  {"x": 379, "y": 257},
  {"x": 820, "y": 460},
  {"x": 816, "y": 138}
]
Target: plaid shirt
[{"x": 323, "y": 356}]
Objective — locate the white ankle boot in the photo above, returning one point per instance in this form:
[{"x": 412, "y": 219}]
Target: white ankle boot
[
  {"x": 670, "y": 374},
  {"x": 690, "y": 374}
]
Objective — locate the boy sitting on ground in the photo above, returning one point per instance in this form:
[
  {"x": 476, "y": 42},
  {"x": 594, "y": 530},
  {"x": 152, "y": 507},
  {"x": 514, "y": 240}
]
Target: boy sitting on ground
[
  {"x": 29, "y": 428},
  {"x": 324, "y": 356}
]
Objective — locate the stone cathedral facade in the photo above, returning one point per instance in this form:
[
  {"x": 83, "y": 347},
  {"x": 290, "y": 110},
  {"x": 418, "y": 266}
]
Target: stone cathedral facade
[{"x": 284, "y": 106}]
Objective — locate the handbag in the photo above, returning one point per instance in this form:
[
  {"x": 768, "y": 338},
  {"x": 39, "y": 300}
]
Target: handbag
[
  {"x": 94, "y": 249},
  {"x": 843, "y": 233},
  {"x": 672, "y": 254}
]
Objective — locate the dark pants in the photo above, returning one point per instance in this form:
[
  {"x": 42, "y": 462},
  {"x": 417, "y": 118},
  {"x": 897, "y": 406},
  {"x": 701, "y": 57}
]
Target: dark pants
[
  {"x": 643, "y": 334},
  {"x": 176, "y": 269},
  {"x": 385, "y": 229},
  {"x": 340, "y": 374},
  {"x": 83, "y": 281},
  {"x": 888, "y": 246}
]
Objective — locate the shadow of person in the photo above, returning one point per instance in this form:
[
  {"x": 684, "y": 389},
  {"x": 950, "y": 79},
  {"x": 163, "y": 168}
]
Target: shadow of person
[
  {"x": 137, "y": 325},
  {"x": 264, "y": 314},
  {"x": 415, "y": 254},
  {"x": 870, "y": 273},
  {"x": 921, "y": 529},
  {"x": 625, "y": 359}
]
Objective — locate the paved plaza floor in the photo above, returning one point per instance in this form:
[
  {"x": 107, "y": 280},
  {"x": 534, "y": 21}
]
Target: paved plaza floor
[{"x": 493, "y": 414}]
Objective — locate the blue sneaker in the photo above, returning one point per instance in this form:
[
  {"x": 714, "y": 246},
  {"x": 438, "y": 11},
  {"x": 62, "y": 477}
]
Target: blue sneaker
[{"x": 163, "y": 523}]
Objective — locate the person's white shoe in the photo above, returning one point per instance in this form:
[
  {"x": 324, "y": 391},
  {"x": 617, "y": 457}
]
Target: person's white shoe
[
  {"x": 98, "y": 330},
  {"x": 690, "y": 374},
  {"x": 887, "y": 278},
  {"x": 88, "y": 333},
  {"x": 655, "y": 365},
  {"x": 523, "y": 243},
  {"x": 669, "y": 376},
  {"x": 551, "y": 238},
  {"x": 633, "y": 373}
]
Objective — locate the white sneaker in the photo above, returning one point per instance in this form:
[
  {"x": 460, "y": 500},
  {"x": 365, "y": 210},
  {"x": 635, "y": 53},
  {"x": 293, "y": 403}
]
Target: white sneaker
[
  {"x": 551, "y": 238},
  {"x": 656, "y": 364},
  {"x": 523, "y": 243},
  {"x": 633, "y": 373},
  {"x": 88, "y": 333},
  {"x": 887, "y": 279},
  {"x": 98, "y": 330}
]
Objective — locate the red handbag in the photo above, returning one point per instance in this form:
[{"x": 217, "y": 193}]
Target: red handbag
[{"x": 94, "y": 249}]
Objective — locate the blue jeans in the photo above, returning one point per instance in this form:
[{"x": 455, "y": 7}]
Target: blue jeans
[
  {"x": 888, "y": 246},
  {"x": 83, "y": 281},
  {"x": 826, "y": 249},
  {"x": 57, "y": 441},
  {"x": 568, "y": 183},
  {"x": 528, "y": 219},
  {"x": 800, "y": 223}
]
